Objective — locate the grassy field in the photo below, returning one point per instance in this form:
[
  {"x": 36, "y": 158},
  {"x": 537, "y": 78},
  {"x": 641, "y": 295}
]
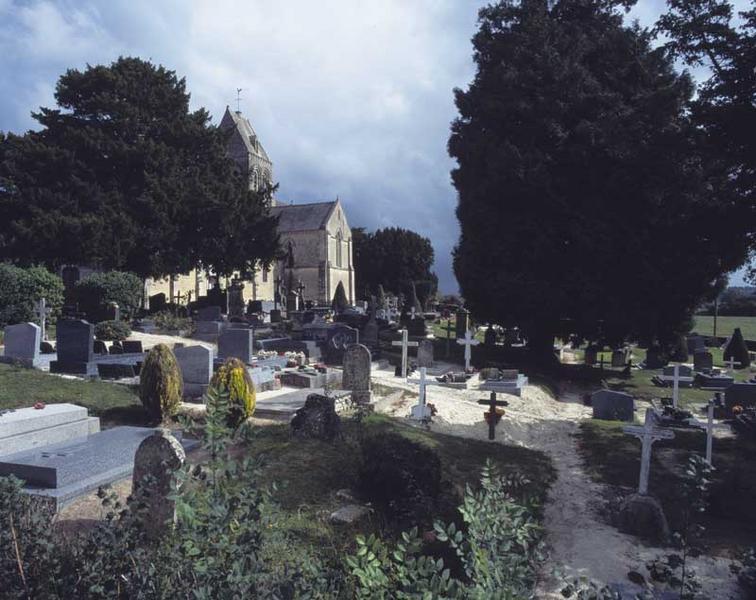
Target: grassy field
[
  {"x": 613, "y": 457},
  {"x": 726, "y": 325},
  {"x": 309, "y": 472},
  {"x": 112, "y": 403}
]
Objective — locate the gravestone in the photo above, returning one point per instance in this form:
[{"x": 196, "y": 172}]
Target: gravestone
[
  {"x": 613, "y": 406},
  {"x": 696, "y": 344},
  {"x": 338, "y": 338},
  {"x": 275, "y": 315},
  {"x": 655, "y": 358},
  {"x": 132, "y": 347},
  {"x": 236, "y": 343},
  {"x": 356, "y": 378},
  {"x": 22, "y": 344},
  {"x": 619, "y": 358},
  {"x": 489, "y": 339},
  {"x": 740, "y": 394},
  {"x": 703, "y": 361},
  {"x": 196, "y": 364},
  {"x": 156, "y": 461},
  {"x": 99, "y": 347},
  {"x": 116, "y": 348},
  {"x": 425, "y": 353},
  {"x": 236, "y": 300},
  {"x": 116, "y": 370},
  {"x": 158, "y": 302},
  {"x": 75, "y": 344},
  {"x": 591, "y": 355},
  {"x": 317, "y": 419},
  {"x": 208, "y": 314}
]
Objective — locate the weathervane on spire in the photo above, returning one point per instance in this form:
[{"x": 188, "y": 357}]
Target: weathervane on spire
[{"x": 238, "y": 99}]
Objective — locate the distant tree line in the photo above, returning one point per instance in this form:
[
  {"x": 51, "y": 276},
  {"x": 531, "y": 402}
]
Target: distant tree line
[
  {"x": 393, "y": 258},
  {"x": 733, "y": 302}
]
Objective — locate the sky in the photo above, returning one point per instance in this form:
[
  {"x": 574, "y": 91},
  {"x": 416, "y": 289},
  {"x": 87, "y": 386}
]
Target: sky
[{"x": 351, "y": 99}]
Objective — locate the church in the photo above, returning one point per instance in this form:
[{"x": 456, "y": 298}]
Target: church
[{"x": 316, "y": 239}]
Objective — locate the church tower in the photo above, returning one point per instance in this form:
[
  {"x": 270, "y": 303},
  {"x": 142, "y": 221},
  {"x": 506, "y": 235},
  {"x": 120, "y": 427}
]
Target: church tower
[{"x": 245, "y": 149}]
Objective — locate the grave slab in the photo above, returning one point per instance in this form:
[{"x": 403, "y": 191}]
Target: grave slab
[{"x": 613, "y": 406}]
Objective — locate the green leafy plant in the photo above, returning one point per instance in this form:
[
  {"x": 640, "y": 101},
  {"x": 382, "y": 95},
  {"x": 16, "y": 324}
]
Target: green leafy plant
[
  {"x": 674, "y": 568},
  {"x": 499, "y": 547},
  {"x": 22, "y": 288},
  {"x": 96, "y": 291},
  {"x": 234, "y": 378},
  {"x": 169, "y": 321},
  {"x": 111, "y": 331},
  {"x": 160, "y": 383}
]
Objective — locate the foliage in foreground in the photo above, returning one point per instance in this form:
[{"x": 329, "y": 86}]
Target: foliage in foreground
[
  {"x": 234, "y": 377},
  {"x": 227, "y": 542},
  {"x": 498, "y": 548}
]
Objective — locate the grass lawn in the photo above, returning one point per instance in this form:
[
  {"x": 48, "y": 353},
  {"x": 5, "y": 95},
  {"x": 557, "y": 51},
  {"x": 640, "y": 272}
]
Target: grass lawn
[
  {"x": 614, "y": 457},
  {"x": 114, "y": 404},
  {"x": 726, "y": 325},
  {"x": 309, "y": 472}
]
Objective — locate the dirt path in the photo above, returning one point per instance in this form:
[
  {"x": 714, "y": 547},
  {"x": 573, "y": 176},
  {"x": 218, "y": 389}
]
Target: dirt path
[{"x": 581, "y": 542}]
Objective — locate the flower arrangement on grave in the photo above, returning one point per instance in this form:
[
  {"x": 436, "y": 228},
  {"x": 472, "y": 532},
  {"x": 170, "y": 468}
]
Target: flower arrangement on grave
[
  {"x": 233, "y": 377},
  {"x": 497, "y": 415}
]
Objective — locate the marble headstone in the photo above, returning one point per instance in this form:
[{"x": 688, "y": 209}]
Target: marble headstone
[
  {"x": 196, "y": 364},
  {"x": 75, "y": 345},
  {"x": 236, "y": 343},
  {"x": 703, "y": 361},
  {"x": 356, "y": 378},
  {"x": 613, "y": 406},
  {"x": 22, "y": 343}
]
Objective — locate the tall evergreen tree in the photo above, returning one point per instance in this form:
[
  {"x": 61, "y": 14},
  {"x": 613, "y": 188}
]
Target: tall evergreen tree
[
  {"x": 583, "y": 201},
  {"x": 122, "y": 175}
]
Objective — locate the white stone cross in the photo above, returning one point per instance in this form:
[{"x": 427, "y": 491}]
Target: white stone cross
[
  {"x": 420, "y": 411},
  {"x": 647, "y": 434},
  {"x": 730, "y": 362},
  {"x": 468, "y": 343},
  {"x": 405, "y": 344},
  {"x": 412, "y": 313},
  {"x": 42, "y": 314},
  {"x": 676, "y": 386},
  {"x": 709, "y": 426}
]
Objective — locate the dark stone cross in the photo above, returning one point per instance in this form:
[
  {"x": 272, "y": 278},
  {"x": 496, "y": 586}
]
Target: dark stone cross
[{"x": 493, "y": 416}]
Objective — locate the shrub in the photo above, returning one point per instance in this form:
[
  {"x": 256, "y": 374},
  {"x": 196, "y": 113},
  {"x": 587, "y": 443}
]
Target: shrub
[
  {"x": 233, "y": 377},
  {"x": 111, "y": 331},
  {"x": 96, "y": 291},
  {"x": 401, "y": 477},
  {"x": 168, "y": 321},
  {"x": 21, "y": 289},
  {"x": 499, "y": 549},
  {"x": 160, "y": 383},
  {"x": 736, "y": 348}
]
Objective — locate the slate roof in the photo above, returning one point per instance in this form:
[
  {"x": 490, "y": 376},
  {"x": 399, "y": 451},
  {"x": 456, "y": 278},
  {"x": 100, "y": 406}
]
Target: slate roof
[
  {"x": 247, "y": 132},
  {"x": 302, "y": 217}
]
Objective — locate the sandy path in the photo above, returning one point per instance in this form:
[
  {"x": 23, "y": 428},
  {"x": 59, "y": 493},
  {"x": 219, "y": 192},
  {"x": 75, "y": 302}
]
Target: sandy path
[
  {"x": 153, "y": 339},
  {"x": 581, "y": 542}
]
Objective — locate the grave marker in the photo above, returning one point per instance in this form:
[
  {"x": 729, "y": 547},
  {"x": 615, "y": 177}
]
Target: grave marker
[
  {"x": 156, "y": 460},
  {"x": 405, "y": 344},
  {"x": 236, "y": 343},
  {"x": 492, "y": 416},
  {"x": 425, "y": 353},
  {"x": 22, "y": 344},
  {"x": 647, "y": 434},
  {"x": 421, "y": 411},
  {"x": 468, "y": 342},
  {"x": 356, "y": 378}
]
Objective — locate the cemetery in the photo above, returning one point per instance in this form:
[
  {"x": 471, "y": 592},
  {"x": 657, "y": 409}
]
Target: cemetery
[{"x": 217, "y": 381}]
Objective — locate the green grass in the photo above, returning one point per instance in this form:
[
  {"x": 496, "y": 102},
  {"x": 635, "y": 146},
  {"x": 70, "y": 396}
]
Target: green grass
[
  {"x": 613, "y": 457},
  {"x": 309, "y": 472},
  {"x": 115, "y": 404},
  {"x": 704, "y": 325}
]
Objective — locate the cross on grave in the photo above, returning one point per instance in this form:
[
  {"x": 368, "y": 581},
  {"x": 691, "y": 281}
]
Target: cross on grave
[
  {"x": 493, "y": 416},
  {"x": 709, "y": 426},
  {"x": 43, "y": 312},
  {"x": 405, "y": 344},
  {"x": 412, "y": 313},
  {"x": 648, "y": 434},
  {"x": 421, "y": 412},
  {"x": 468, "y": 343},
  {"x": 730, "y": 362},
  {"x": 676, "y": 386}
]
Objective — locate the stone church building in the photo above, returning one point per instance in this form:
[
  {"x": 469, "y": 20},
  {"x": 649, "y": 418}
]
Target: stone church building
[{"x": 315, "y": 237}]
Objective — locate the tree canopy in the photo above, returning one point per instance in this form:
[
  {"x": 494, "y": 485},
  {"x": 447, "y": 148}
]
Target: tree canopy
[
  {"x": 585, "y": 202},
  {"x": 122, "y": 175},
  {"x": 393, "y": 258}
]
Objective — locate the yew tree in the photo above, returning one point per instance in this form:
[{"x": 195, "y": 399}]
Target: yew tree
[
  {"x": 123, "y": 175},
  {"x": 585, "y": 202}
]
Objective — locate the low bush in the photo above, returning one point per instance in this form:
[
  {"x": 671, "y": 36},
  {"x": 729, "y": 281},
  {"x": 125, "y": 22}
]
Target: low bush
[
  {"x": 22, "y": 288},
  {"x": 111, "y": 331},
  {"x": 169, "y": 321},
  {"x": 95, "y": 292},
  {"x": 233, "y": 377},
  {"x": 401, "y": 477},
  {"x": 160, "y": 383}
]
